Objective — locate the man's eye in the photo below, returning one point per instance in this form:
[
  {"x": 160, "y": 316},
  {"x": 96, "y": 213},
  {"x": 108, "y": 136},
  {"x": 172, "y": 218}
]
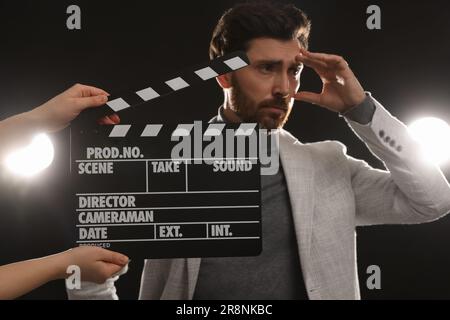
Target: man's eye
[{"x": 266, "y": 68}]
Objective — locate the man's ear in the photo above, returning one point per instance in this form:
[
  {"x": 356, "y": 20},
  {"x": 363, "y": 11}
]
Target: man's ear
[{"x": 224, "y": 81}]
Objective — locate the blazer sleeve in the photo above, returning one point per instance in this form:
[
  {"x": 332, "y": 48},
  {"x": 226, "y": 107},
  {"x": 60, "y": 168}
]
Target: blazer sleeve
[{"x": 413, "y": 190}]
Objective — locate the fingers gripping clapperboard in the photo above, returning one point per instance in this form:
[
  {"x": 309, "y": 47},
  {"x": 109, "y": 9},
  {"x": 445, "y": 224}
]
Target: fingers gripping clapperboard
[{"x": 168, "y": 190}]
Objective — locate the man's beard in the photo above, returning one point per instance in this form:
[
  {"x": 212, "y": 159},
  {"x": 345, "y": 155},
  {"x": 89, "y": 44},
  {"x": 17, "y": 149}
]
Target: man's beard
[{"x": 246, "y": 110}]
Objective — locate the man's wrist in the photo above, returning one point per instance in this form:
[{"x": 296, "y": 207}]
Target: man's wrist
[{"x": 361, "y": 113}]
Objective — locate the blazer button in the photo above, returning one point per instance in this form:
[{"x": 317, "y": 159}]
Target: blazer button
[
  {"x": 399, "y": 148},
  {"x": 381, "y": 133},
  {"x": 392, "y": 143},
  {"x": 387, "y": 139}
]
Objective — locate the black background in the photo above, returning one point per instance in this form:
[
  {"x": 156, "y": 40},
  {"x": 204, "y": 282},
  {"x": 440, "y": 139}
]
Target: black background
[{"x": 123, "y": 46}]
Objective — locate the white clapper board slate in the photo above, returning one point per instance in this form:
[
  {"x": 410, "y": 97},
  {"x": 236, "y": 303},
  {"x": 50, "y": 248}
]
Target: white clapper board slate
[{"x": 134, "y": 194}]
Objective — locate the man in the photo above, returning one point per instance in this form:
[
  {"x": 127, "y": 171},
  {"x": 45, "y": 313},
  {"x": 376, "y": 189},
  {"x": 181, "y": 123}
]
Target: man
[{"x": 311, "y": 207}]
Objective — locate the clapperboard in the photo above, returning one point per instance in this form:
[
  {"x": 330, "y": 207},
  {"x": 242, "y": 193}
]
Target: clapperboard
[{"x": 166, "y": 190}]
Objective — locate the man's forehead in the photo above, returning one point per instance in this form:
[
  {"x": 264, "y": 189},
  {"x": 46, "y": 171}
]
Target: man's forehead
[{"x": 268, "y": 49}]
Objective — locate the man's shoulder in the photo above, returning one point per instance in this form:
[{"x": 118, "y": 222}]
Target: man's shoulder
[
  {"x": 322, "y": 156},
  {"x": 320, "y": 147}
]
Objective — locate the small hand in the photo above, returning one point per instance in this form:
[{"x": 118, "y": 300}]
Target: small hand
[
  {"x": 58, "y": 112},
  {"x": 96, "y": 264}
]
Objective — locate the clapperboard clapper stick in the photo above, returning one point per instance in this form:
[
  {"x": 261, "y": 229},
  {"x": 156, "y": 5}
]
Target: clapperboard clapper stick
[
  {"x": 168, "y": 190},
  {"x": 190, "y": 77}
]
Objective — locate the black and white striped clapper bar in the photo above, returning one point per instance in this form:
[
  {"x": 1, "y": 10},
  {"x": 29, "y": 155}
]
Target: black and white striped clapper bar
[
  {"x": 167, "y": 190},
  {"x": 190, "y": 77}
]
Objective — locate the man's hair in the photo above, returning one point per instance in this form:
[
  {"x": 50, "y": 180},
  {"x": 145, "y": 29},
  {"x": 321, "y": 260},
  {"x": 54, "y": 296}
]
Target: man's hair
[{"x": 247, "y": 21}]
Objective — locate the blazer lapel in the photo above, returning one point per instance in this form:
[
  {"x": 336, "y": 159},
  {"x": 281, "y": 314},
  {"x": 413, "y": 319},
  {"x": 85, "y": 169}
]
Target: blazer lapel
[
  {"x": 299, "y": 173},
  {"x": 193, "y": 267}
]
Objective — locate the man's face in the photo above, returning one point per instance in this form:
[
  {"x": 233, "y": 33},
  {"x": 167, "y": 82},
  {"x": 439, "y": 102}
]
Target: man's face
[{"x": 263, "y": 91}]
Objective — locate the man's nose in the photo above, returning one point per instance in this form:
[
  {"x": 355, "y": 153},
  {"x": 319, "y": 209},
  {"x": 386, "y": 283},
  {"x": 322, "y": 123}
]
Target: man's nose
[{"x": 281, "y": 86}]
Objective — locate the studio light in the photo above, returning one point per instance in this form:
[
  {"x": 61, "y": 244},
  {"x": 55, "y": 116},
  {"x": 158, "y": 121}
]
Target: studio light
[
  {"x": 33, "y": 158},
  {"x": 434, "y": 136}
]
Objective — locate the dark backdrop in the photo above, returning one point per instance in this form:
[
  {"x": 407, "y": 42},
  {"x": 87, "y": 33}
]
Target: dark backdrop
[{"x": 124, "y": 45}]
